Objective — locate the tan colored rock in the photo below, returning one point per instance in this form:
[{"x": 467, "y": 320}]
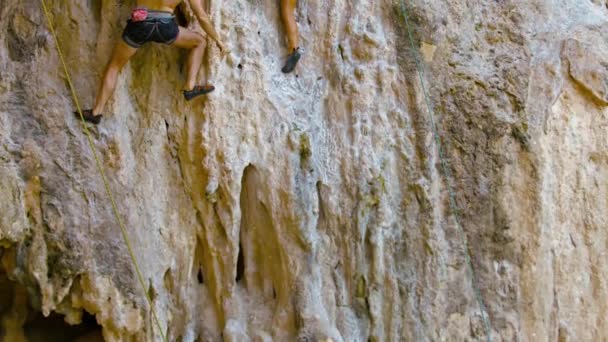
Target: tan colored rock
[
  {"x": 589, "y": 68},
  {"x": 312, "y": 206}
]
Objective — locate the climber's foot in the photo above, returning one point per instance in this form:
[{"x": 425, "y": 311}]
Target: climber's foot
[
  {"x": 198, "y": 90},
  {"x": 292, "y": 60},
  {"x": 89, "y": 116}
]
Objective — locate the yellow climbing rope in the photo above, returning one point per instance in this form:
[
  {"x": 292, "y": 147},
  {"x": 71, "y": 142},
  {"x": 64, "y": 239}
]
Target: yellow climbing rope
[{"x": 123, "y": 230}]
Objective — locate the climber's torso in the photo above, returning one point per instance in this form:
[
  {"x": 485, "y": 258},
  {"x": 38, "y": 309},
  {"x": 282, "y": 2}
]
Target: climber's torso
[{"x": 159, "y": 5}]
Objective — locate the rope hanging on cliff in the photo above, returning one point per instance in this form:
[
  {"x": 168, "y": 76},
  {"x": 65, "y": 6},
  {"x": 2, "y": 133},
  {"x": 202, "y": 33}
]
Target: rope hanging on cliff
[
  {"x": 447, "y": 174},
  {"x": 123, "y": 230}
]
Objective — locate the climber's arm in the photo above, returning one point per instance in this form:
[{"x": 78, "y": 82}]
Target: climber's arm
[{"x": 203, "y": 19}]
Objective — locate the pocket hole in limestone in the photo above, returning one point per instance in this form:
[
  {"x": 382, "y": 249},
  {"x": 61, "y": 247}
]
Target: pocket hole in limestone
[
  {"x": 341, "y": 50},
  {"x": 152, "y": 293},
  {"x": 168, "y": 280},
  {"x": 240, "y": 265},
  {"x": 199, "y": 276}
]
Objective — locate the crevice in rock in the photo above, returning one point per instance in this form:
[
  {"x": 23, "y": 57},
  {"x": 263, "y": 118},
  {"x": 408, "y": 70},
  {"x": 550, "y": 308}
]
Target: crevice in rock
[
  {"x": 341, "y": 50},
  {"x": 240, "y": 265},
  {"x": 96, "y": 9},
  {"x": 586, "y": 93},
  {"x": 198, "y": 269},
  {"x": 246, "y": 233},
  {"x": 168, "y": 280},
  {"x": 322, "y": 223}
]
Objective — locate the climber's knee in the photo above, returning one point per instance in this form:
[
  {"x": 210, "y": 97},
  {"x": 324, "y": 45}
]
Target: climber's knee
[
  {"x": 188, "y": 39},
  {"x": 201, "y": 42}
]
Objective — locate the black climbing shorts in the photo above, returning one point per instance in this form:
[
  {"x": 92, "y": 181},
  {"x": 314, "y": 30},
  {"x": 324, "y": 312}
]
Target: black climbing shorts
[{"x": 158, "y": 27}]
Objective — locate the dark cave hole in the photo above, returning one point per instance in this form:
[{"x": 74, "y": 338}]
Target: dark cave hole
[
  {"x": 55, "y": 329},
  {"x": 14, "y": 304},
  {"x": 199, "y": 276}
]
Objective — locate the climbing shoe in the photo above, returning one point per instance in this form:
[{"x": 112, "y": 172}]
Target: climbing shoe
[
  {"x": 198, "y": 90},
  {"x": 292, "y": 60},
  {"x": 88, "y": 116}
]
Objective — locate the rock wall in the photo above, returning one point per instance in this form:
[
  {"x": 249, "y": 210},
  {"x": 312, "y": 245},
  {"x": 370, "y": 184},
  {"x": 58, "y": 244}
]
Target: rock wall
[{"x": 311, "y": 206}]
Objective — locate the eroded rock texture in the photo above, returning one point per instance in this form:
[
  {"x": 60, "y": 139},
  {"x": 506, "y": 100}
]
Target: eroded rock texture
[{"x": 311, "y": 207}]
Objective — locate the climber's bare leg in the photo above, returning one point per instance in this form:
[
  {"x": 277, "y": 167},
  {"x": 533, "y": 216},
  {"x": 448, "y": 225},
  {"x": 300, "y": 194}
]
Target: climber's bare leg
[
  {"x": 188, "y": 39},
  {"x": 288, "y": 8},
  {"x": 121, "y": 55}
]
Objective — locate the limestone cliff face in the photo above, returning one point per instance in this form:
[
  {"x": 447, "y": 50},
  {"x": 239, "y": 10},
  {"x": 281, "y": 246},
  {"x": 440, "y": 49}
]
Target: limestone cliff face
[{"x": 311, "y": 206}]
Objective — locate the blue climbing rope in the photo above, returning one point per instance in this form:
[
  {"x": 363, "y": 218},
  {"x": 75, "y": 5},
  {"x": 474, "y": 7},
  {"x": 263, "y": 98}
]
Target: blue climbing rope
[{"x": 448, "y": 176}]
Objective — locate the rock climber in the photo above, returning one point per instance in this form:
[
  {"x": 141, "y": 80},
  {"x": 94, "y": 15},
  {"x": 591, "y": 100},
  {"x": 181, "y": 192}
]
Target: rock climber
[
  {"x": 288, "y": 8},
  {"x": 154, "y": 21}
]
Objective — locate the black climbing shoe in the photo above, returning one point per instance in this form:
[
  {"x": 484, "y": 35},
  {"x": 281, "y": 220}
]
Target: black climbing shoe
[
  {"x": 198, "y": 90},
  {"x": 292, "y": 60},
  {"x": 88, "y": 116}
]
